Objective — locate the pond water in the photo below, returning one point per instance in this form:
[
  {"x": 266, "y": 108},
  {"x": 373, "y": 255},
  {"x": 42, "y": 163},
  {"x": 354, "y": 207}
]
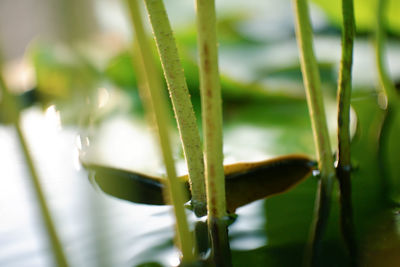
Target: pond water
[{"x": 95, "y": 229}]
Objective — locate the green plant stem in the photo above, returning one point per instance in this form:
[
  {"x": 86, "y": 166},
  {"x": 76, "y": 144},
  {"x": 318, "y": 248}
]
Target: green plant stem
[
  {"x": 343, "y": 171},
  {"x": 210, "y": 90},
  {"x": 159, "y": 108},
  {"x": 183, "y": 108},
  {"x": 344, "y": 84},
  {"x": 13, "y": 111},
  {"x": 211, "y": 107},
  {"x": 312, "y": 84}
]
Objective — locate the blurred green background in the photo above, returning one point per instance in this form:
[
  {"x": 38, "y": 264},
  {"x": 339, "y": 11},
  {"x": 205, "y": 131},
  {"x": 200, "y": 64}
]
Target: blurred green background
[{"x": 70, "y": 63}]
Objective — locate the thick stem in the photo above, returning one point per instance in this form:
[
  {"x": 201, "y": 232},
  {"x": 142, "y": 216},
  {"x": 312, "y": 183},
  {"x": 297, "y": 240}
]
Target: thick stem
[
  {"x": 210, "y": 90},
  {"x": 13, "y": 110},
  {"x": 158, "y": 105},
  {"x": 344, "y": 158},
  {"x": 312, "y": 84},
  {"x": 211, "y": 107},
  {"x": 183, "y": 108}
]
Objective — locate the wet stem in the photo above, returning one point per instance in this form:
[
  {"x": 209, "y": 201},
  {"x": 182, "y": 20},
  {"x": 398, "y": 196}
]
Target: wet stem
[{"x": 312, "y": 84}]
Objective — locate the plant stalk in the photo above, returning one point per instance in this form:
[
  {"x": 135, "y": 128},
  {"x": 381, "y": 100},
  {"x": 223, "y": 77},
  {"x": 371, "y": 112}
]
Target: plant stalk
[
  {"x": 160, "y": 111},
  {"x": 343, "y": 171},
  {"x": 182, "y": 105},
  {"x": 210, "y": 90},
  {"x": 316, "y": 108},
  {"x": 14, "y": 115}
]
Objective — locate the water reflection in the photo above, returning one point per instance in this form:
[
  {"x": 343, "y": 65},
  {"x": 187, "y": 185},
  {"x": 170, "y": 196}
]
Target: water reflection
[
  {"x": 248, "y": 231},
  {"x": 96, "y": 230},
  {"x": 103, "y": 97}
]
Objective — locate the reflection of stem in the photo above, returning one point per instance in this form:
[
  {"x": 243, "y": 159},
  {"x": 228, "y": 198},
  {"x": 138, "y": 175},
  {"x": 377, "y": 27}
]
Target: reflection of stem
[
  {"x": 346, "y": 213},
  {"x": 179, "y": 93},
  {"x": 221, "y": 253},
  {"x": 159, "y": 109},
  {"x": 210, "y": 90},
  {"x": 201, "y": 237},
  {"x": 318, "y": 121},
  {"x": 344, "y": 159},
  {"x": 56, "y": 244},
  {"x": 12, "y": 108}
]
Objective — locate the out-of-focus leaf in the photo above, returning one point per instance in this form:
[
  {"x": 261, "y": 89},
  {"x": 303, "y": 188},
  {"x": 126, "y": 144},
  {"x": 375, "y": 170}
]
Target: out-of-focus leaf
[
  {"x": 392, "y": 156},
  {"x": 293, "y": 72},
  {"x": 365, "y": 13},
  {"x": 120, "y": 70},
  {"x": 380, "y": 245},
  {"x": 60, "y": 73},
  {"x": 67, "y": 79}
]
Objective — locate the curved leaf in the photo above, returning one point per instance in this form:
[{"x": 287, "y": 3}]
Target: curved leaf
[{"x": 245, "y": 182}]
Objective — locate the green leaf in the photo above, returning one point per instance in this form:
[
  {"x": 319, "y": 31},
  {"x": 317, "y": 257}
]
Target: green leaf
[
  {"x": 120, "y": 70},
  {"x": 364, "y": 13},
  {"x": 245, "y": 182}
]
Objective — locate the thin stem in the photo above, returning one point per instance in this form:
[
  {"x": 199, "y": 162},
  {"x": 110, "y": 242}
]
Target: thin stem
[
  {"x": 210, "y": 90},
  {"x": 183, "y": 108},
  {"x": 344, "y": 157},
  {"x": 159, "y": 108},
  {"x": 312, "y": 84},
  {"x": 13, "y": 110}
]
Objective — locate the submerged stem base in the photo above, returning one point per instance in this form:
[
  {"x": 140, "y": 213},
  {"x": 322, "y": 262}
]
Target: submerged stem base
[{"x": 221, "y": 252}]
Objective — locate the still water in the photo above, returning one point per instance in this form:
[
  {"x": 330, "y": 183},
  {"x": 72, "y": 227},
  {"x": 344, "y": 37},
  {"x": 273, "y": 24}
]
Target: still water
[{"x": 95, "y": 229}]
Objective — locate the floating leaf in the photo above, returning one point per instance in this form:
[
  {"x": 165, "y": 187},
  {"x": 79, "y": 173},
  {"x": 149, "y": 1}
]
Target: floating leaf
[
  {"x": 132, "y": 186},
  {"x": 245, "y": 182}
]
